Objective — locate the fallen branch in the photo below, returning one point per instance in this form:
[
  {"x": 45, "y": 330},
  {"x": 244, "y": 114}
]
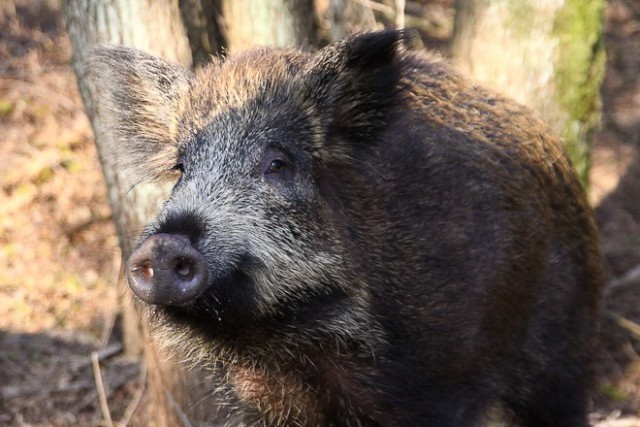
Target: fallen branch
[
  {"x": 103, "y": 354},
  {"x": 373, "y": 5},
  {"x": 135, "y": 401},
  {"x": 104, "y": 406},
  {"x": 625, "y": 323},
  {"x": 11, "y": 393},
  {"x": 628, "y": 278},
  {"x": 178, "y": 410},
  {"x": 113, "y": 383}
]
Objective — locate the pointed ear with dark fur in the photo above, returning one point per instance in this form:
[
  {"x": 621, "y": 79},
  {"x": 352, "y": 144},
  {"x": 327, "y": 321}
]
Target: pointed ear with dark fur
[
  {"x": 137, "y": 103},
  {"x": 353, "y": 83}
]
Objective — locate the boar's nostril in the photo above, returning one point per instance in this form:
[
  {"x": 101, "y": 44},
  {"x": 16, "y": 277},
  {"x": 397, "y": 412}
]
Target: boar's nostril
[
  {"x": 167, "y": 270},
  {"x": 144, "y": 270},
  {"x": 184, "y": 269}
]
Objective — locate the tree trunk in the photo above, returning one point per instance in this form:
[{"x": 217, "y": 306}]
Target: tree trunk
[
  {"x": 202, "y": 19},
  {"x": 268, "y": 23},
  {"x": 547, "y": 54},
  {"x": 156, "y": 27},
  {"x": 348, "y": 17}
]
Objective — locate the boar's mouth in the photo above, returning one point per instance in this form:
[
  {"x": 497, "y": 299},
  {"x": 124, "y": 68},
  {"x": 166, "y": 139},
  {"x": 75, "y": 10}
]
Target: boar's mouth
[
  {"x": 227, "y": 303},
  {"x": 230, "y": 311}
]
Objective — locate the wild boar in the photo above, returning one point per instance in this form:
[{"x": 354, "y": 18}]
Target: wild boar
[{"x": 359, "y": 236}]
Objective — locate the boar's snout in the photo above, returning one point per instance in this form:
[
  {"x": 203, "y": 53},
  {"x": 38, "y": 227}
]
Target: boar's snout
[{"x": 167, "y": 270}]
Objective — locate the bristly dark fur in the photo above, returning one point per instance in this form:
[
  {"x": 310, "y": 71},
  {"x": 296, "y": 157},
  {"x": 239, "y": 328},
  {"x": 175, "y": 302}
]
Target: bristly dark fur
[
  {"x": 386, "y": 243},
  {"x": 353, "y": 83}
]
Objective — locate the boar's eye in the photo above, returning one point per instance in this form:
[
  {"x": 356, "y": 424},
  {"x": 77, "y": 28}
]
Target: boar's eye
[{"x": 276, "y": 166}]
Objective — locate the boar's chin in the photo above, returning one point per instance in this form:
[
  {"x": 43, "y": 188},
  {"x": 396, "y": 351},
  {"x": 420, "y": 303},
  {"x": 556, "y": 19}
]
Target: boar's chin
[
  {"x": 231, "y": 310},
  {"x": 225, "y": 308}
]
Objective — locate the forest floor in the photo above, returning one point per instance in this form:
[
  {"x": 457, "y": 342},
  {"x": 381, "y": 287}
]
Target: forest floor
[{"x": 59, "y": 282}]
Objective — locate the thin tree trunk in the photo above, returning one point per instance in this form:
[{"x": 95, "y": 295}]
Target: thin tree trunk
[
  {"x": 268, "y": 23},
  {"x": 547, "y": 54},
  {"x": 89, "y": 23},
  {"x": 202, "y": 19},
  {"x": 349, "y": 17}
]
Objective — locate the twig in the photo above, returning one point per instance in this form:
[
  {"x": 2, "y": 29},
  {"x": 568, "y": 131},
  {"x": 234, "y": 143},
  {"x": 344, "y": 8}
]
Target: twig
[
  {"x": 110, "y": 351},
  {"x": 400, "y": 13},
  {"x": 103, "y": 354},
  {"x": 621, "y": 422},
  {"x": 631, "y": 352},
  {"x": 104, "y": 406},
  {"x": 137, "y": 397},
  {"x": 377, "y": 6},
  {"x": 114, "y": 384},
  {"x": 625, "y": 323},
  {"x": 108, "y": 330},
  {"x": 629, "y": 277},
  {"x": 12, "y": 393},
  {"x": 86, "y": 401},
  {"x": 26, "y": 373},
  {"x": 33, "y": 402},
  {"x": 178, "y": 410}
]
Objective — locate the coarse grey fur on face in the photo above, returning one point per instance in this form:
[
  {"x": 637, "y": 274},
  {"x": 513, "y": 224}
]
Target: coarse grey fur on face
[{"x": 359, "y": 236}]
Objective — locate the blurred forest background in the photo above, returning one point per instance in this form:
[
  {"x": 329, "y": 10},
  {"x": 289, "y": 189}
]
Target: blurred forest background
[{"x": 59, "y": 252}]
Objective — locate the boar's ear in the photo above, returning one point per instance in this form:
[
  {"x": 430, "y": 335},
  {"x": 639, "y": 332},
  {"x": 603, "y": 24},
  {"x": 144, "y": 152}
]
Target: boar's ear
[
  {"x": 353, "y": 82},
  {"x": 137, "y": 102}
]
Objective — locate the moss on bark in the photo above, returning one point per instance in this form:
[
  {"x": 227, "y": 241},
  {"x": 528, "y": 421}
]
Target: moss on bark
[{"x": 580, "y": 68}]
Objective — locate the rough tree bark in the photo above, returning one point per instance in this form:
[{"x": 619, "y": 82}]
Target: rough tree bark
[
  {"x": 179, "y": 397},
  {"x": 348, "y": 17},
  {"x": 202, "y": 19},
  {"x": 268, "y": 23},
  {"x": 547, "y": 54}
]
